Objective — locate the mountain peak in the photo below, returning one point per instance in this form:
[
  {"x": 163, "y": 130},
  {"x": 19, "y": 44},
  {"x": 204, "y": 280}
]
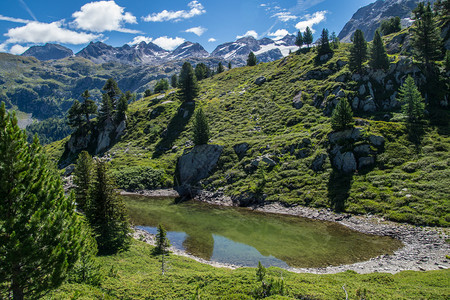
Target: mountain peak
[{"x": 48, "y": 52}]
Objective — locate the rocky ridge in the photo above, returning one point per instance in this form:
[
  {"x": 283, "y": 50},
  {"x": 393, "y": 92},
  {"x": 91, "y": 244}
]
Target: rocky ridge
[{"x": 369, "y": 17}]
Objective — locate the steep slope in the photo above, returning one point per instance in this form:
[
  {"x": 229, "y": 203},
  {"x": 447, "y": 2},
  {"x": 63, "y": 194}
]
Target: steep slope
[
  {"x": 48, "y": 52},
  {"x": 187, "y": 50},
  {"x": 278, "y": 144},
  {"x": 369, "y": 17}
]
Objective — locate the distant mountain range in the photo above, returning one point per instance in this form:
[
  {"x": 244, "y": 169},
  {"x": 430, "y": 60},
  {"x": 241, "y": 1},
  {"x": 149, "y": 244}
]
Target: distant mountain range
[
  {"x": 151, "y": 54},
  {"x": 369, "y": 17}
]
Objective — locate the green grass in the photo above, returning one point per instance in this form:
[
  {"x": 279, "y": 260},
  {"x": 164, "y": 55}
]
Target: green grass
[
  {"x": 409, "y": 182},
  {"x": 136, "y": 275}
]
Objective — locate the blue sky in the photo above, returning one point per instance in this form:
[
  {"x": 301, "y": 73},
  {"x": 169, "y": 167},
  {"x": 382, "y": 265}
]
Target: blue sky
[{"x": 24, "y": 23}]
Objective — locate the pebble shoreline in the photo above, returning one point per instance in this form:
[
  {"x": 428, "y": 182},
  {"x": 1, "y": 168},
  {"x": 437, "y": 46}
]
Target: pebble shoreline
[{"x": 424, "y": 248}]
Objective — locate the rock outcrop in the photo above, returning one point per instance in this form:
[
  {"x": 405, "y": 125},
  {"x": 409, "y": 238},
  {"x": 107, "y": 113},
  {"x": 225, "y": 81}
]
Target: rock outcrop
[
  {"x": 369, "y": 17},
  {"x": 198, "y": 163},
  {"x": 351, "y": 150},
  {"x": 48, "y": 52}
]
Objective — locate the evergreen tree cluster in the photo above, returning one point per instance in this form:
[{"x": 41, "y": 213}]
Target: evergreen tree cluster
[
  {"x": 113, "y": 108},
  {"x": 305, "y": 38},
  {"x": 161, "y": 86},
  {"x": 324, "y": 47},
  {"x": 187, "y": 83},
  {"x": 96, "y": 197},
  {"x": 391, "y": 25}
]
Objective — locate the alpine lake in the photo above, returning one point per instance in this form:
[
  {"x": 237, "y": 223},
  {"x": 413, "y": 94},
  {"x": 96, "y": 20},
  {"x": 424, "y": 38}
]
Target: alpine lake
[{"x": 239, "y": 236}]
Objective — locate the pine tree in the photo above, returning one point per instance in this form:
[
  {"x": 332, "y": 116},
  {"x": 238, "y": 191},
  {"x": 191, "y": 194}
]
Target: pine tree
[
  {"x": 161, "y": 86},
  {"x": 106, "y": 213},
  {"x": 220, "y": 68},
  {"x": 426, "y": 38},
  {"x": 413, "y": 104},
  {"x": 201, "y": 71},
  {"x": 342, "y": 117},
  {"x": 299, "y": 39},
  {"x": 229, "y": 65},
  {"x": 162, "y": 242},
  {"x": 174, "y": 81},
  {"x": 40, "y": 232},
  {"x": 147, "y": 93},
  {"x": 75, "y": 116},
  {"x": 88, "y": 107},
  {"x": 324, "y": 44},
  {"x": 251, "y": 60},
  {"x": 391, "y": 25},
  {"x": 106, "y": 110},
  {"x": 334, "y": 40},
  {"x": 83, "y": 176},
  {"x": 188, "y": 83},
  {"x": 201, "y": 128},
  {"x": 308, "y": 37},
  {"x": 358, "y": 51},
  {"x": 112, "y": 90},
  {"x": 378, "y": 55},
  {"x": 122, "y": 108}
]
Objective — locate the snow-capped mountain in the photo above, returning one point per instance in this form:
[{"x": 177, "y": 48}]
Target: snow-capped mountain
[
  {"x": 141, "y": 53},
  {"x": 265, "y": 49},
  {"x": 144, "y": 53},
  {"x": 188, "y": 50}
]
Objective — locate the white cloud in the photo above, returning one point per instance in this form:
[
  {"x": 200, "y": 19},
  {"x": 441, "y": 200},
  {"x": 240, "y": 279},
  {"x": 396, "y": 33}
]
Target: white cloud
[
  {"x": 168, "y": 43},
  {"x": 248, "y": 33},
  {"x": 311, "y": 20},
  {"x": 303, "y": 5},
  {"x": 103, "y": 16},
  {"x": 211, "y": 40},
  {"x": 284, "y": 16},
  {"x": 3, "y": 47},
  {"x": 263, "y": 4},
  {"x": 139, "y": 39},
  {"x": 15, "y": 20},
  {"x": 196, "y": 30},
  {"x": 36, "y": 32},
  {"x": 196, "y": 9},
  {"x": 279, "y": 34},
  {"x": 18, "y": 49}
]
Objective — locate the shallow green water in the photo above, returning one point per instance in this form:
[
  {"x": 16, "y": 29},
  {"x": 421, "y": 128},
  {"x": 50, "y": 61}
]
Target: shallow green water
[{"x": 243, "y": 237}]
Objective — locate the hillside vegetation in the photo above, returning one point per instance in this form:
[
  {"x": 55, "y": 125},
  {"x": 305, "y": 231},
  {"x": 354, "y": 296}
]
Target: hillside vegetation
[
  {"x": 136, "y": 274},
  {"x": 409, "y": 181}
]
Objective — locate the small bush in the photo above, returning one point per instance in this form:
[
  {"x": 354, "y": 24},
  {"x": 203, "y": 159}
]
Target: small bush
[{"x": 138, "y": 178}]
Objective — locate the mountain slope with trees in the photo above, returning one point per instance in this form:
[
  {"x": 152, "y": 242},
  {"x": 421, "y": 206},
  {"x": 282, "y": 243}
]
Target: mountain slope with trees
[{"x": 273, "y": 121}]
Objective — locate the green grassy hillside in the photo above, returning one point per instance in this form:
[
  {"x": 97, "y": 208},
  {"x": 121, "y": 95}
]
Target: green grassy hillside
[
  {"x": 408, "y": 183},
  {"x": 136, "y": 274}
]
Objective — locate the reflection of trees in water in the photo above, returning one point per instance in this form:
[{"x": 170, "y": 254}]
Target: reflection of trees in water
[{"x": 201, "y": 245}]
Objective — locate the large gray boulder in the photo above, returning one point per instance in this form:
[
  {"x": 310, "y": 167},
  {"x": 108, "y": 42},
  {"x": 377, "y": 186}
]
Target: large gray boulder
[
  {"x": 297, "y": 101},
  {"x": 353, "y": 134},
  {"x": 198, "y": 163},
  {"x": 319, "y": 160}
]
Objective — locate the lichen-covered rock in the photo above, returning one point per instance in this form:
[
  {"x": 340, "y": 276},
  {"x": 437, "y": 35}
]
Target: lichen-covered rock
[
  {"x": 368, "y": 105},
  {"x": 260, "y": 80},
  {"x": 376, "y": 140},
  {"x": 353, "y": 133},
  {"x": 362, "y": 150},
  {"x": 318, "y": 162},
  {"x": 344, "y": 162},
  {"x": 297, "y": 101},
  {"x": 267, "y": 159},
  {"x": 198, "y": 163},
  {"x": 240, "y": 149}
]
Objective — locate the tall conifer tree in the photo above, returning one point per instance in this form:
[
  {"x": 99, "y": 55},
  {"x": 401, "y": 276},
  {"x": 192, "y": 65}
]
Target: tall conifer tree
[
  {"x": 308, "y": 37},
  {"x": 40, "y": 233},
  {"x": 251, "y": 59},
  {"x": 378, "y": 55},
  {"x": 358, "y": 51},
  {"x": 106, "y": 213},
  {"x": 187, "y": 82}
]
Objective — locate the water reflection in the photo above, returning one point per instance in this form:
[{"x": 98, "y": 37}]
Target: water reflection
[
  {"x": 219, "y": 249},
  {"x": 240, "y": 236}
]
